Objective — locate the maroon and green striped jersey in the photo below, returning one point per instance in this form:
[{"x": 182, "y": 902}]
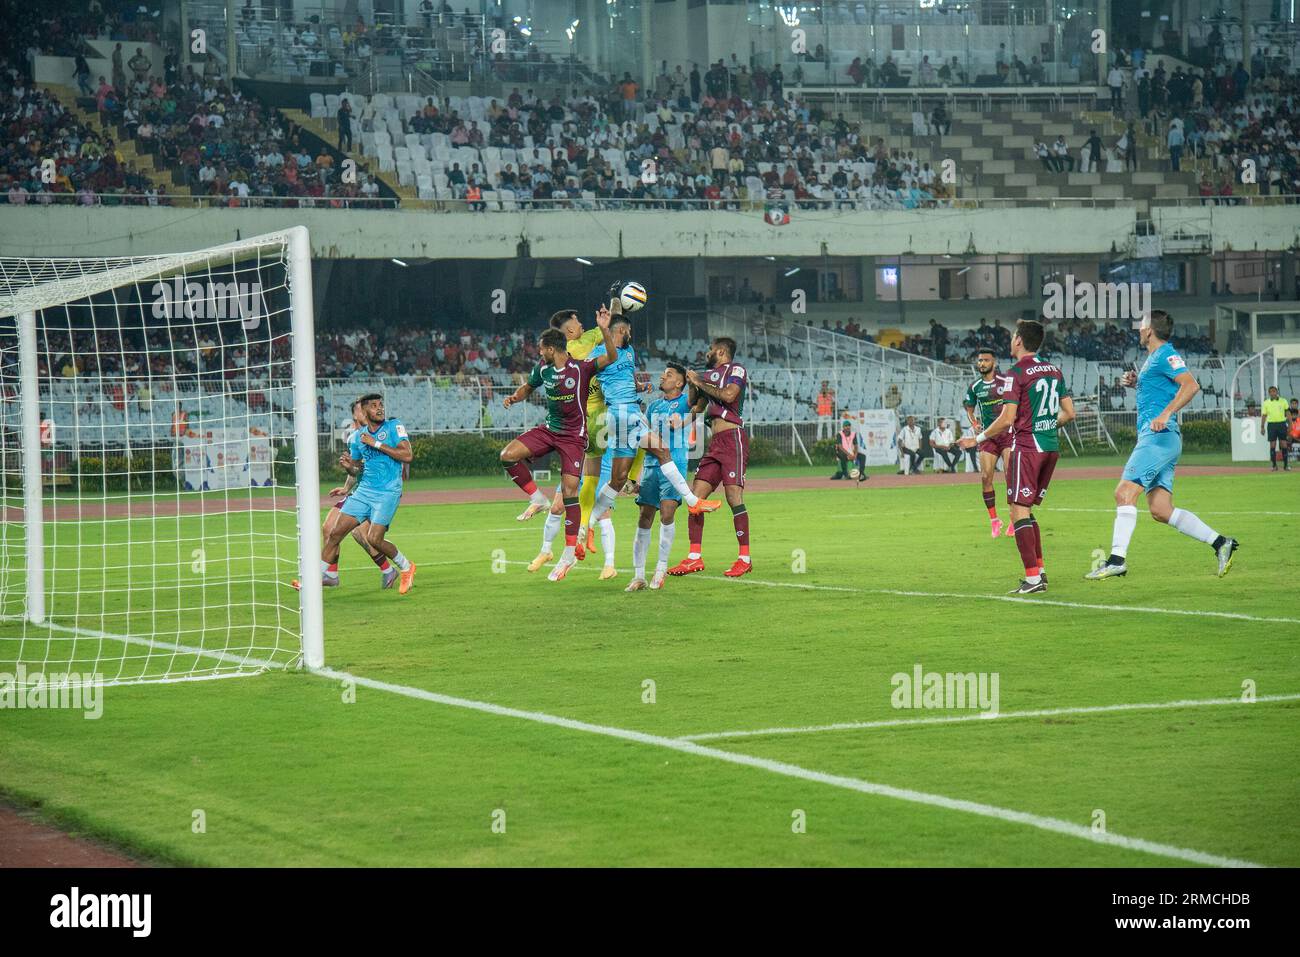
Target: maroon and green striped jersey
[{"x": 566, "y": 394}]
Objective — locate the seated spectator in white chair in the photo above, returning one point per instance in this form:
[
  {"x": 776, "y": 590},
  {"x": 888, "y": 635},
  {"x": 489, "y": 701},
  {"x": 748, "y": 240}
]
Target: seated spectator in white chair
[
  {"x": 943, "y": 442},
  {"x": 909, "y": 447}
]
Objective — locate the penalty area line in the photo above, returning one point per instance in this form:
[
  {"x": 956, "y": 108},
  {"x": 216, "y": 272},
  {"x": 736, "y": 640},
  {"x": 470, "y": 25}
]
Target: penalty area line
[
  {"x": 1040, "y": 822},
  {"x": 984, "y": 716},
  {"x": 1014, "y": 599}
]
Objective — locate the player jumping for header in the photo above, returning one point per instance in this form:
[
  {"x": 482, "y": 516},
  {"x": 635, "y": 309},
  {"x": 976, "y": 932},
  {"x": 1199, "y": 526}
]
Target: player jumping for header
[
  {"x": 384, "y": 449},
  {"x": 1035, "y": 403},
  {"x": 983, "y": 393},
  {"x": 567, "y": 382},
  {"x": 1164, "y": 386},
  {"x": 720, "y": 394}
]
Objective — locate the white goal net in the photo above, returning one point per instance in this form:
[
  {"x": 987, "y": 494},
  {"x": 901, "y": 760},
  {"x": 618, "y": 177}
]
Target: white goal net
[{"x": 159, "y": 465}]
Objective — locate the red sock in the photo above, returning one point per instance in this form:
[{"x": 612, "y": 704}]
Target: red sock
[
  {"x": 1038, "y": 545},
  {"x": 382, "y": 562},
  {"x": 989, "y": 502},
  {"x": 572, "y": 517},
  {"x": 522, "y": 477},
  {"x": 334, "y": 568},
  {"x": 695, "y": 529},
  {"x": 740, "y": 518},
  {"x": 1025, "y": 545}
]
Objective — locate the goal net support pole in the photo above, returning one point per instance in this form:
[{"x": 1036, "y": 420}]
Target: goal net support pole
[
  {"x": 33, "y": 508},
  {"x": 302, "y": 320}
]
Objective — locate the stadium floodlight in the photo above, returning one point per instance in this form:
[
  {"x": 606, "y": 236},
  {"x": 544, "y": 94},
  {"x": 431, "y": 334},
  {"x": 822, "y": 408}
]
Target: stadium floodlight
[
  {"x": 571, "y": 30},
  {"x": 399, "y": 262},
  {"x": 158, "y": 441},
  {"x": 792, "y": 272},
  {"x": 585, "y": 262}
]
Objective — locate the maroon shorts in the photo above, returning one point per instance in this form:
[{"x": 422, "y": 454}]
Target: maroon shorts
[
  {"x": 571, "y": 449},
  {"x": 997, "y": 445},
  {"x": 1028, "y": 475},
  {"x": 725, "y": 459}
]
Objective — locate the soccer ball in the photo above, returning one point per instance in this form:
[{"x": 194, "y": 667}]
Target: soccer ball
[
  {"x": 854, "y": 473},
  {"x": 632, "y": 295}
]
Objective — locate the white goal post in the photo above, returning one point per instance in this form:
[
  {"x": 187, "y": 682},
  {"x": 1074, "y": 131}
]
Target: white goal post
[{"x": 159, "y": 469}]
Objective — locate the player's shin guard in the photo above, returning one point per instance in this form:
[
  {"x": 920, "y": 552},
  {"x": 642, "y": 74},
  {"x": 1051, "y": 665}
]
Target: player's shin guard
[
  {"x": 552, "y": 528},
  {"x": 673, "y": 474},
  {"x": 1028, "y": 550},
  {"x": 641, "y": 548},
  {"x": 587, "y": 499},
  {"x": 740, "y": 518},
  {"x": 1190, "y": 525},
  {"x": 666, "y": 535},
  {"x": 1038, "y": 544},
  {"x": 638, "y": 460},
  {"x": 605, "y": 499},
  {"x": 572, "y": 517},
  {"x": 1126, "y": 519},
  {"x": 990, "y": 502},
  {"x": 695, "y": 529},
  {"x": 607, "y": 539},
  {"x": 522, "y": 476}
]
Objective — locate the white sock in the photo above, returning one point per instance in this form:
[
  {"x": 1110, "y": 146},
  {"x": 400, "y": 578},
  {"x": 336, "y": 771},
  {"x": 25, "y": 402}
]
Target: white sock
[
  {"x": 605, "y": 499},
  {"x": 641, "y": 548},
  {"x": 1033, "y": 579},
  {"x": 674, "y": 475},
  {"x": 607, "y": 540},
  {"x": 1126, "y": 519},
  {"x": 569, "y": 555},
  {"x": 401, "y": 561},
  {"x": 537, "y": 498},
  {"x": 325, "y": 570},
  {"x": 666, "y": 535},
  {"x": 1190, "y": 525},
  {"x": 552, "y": 528}
]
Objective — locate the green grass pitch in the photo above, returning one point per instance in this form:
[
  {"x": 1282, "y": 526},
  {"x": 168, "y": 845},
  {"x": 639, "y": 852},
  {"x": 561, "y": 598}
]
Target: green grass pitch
[{"x": 287, "y": 770}]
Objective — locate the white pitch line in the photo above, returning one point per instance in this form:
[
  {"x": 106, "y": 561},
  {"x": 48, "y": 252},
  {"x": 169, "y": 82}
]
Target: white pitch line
[
  {"x": 1051, "y": 824},
  {"x": 1016, "y": 599},
  {"x": 983, "y": 716}
]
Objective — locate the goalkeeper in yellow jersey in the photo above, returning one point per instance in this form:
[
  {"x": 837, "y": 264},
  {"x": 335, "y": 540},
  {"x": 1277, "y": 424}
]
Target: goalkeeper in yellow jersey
[{"x": 581, "y": 343}]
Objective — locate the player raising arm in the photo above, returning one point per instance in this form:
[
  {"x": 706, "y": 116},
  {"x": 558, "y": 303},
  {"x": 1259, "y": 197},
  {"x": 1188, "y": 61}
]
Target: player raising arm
[
  {"x": 1164, "y": 386},
  {"x": 1035, "y": 403},
  {"x": 567, "y": 382},
  {"x": 720, "y": 394}
]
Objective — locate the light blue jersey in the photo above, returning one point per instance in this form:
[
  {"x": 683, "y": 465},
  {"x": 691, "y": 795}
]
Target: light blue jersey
[
  {"x": 1156, "y": 387},
  {"x": 383, "y": 473},
  {"x": 655, "y": 487},
  {"x": 618, "y": 379},
  {"x": 354, "y": 445},
  {"x": 1155, "y": 457},
  {"x": 677, "y": 439}
]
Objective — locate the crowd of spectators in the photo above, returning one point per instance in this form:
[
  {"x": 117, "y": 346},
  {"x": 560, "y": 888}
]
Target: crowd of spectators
[
  {"x": 1085, "y": 339},
  {"x": 1233, "y": 116},
  {"x": 679, "y": 152},
  {"x": 48, "y": 156},
  {"x": 424, "y": 351}
]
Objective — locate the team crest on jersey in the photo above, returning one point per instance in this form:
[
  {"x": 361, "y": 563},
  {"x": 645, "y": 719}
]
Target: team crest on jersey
[
  {"x": 570, "y": 382},
  {"x": 713, "y": 377},
  {"x": 381, "y": 435}
]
